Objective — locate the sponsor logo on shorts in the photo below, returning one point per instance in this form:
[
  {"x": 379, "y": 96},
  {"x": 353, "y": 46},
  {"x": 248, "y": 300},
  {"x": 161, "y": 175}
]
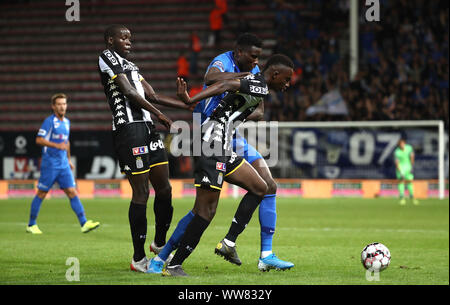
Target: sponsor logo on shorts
[
  {"x": 220, "y": 166},
  {"x": 155, "y": 145},
  {"x": 140, "y": 150}
]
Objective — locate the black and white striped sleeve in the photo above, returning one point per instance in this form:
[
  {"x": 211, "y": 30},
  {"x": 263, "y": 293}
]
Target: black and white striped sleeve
[{"x": 110, "y": 64}]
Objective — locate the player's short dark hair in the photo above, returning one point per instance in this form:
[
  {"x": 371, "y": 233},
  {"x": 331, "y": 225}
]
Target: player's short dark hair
[
  {"x": 57, "y": 96},
  {"x": 112, "y": 30},
  {"x": 248, "y": 40},
  {"x": 279, "y": 59}
]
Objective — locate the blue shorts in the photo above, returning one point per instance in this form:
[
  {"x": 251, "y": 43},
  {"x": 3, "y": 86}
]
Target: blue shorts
[
  {"x": 49, "y": 176},
  {"x": 243, "y": 149}
]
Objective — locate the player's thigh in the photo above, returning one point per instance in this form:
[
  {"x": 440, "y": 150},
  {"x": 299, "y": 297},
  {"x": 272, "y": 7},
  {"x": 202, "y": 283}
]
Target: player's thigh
[
  {"x": 66, "y": 181},
  {"x": 263, "y": 170},
  {"x": 255, "y": 159},
  {"x": 248, "y": 178},
  {"x": 47, "y": 179},
  {"x": 159, "y": 178},
  {"x": 139, "y": 186}
]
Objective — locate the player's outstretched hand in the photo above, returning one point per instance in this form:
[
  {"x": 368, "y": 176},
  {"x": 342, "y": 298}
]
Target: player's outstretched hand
[
  {"x": 164, "y": 120},
  {"x": 182, "y": 91}
]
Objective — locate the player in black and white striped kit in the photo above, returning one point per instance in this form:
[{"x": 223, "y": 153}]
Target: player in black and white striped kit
[{"x": 139, "y": 148}]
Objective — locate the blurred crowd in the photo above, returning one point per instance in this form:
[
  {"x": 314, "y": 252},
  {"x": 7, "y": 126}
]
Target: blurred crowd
[{"x": 403, "y": 62}]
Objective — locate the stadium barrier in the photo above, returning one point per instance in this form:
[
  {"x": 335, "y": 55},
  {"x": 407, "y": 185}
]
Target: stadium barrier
[{"x": 302, "y": 188}]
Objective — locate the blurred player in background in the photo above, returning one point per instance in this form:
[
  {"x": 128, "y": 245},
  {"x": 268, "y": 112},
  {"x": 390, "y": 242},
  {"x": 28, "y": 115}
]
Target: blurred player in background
[
  {"x": 56, "y": 166},
  {"x": 404, "y": 163},
  {"x": 139, "y": 148}
]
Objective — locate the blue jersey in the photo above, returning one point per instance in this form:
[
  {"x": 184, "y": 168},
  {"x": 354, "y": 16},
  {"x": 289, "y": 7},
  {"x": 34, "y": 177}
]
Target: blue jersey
[
  {"x": 225, "y": 63},
  {"x": 56, "y": 131}
]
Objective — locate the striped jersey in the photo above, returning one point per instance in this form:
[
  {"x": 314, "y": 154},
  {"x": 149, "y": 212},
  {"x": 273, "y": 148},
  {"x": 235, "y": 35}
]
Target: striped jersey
[
  {"x": 232, "y": 110},
  {"x": 110, "y": 64}
]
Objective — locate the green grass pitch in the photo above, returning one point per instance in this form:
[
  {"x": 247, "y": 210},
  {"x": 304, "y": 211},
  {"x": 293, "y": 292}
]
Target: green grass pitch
[{"x": 323, "y": 238}]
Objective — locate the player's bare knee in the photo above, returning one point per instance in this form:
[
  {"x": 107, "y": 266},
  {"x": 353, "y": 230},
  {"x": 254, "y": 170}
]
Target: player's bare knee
[
  {"x": 41, "y": 194},
  {"x": 261, "y": 189},
  {"x": 164, "y": 192},
  {"x": 271, "y": 186},
  {"x": 210, "y": 213},
  {"x": 70, "y": 192},
  {"x": 141, "y": 194}
]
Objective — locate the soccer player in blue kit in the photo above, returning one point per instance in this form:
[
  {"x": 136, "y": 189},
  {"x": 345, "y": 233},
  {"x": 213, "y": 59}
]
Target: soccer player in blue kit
[
  {"x": 236, "y": 64},
  {"x": 56, "y": 165}
]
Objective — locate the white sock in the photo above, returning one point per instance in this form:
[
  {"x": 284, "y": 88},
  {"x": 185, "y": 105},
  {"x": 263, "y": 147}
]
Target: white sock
[
  {"x": 265, "y": 254},
  {"x": 229, "y": 243}
]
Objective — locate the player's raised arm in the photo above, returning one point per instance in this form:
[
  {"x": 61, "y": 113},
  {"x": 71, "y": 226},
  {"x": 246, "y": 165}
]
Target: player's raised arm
[
  {"x": 215, "y": 89},
  {"x": 155, "y": 98},
  {"x": 214, "y": 75},
  {"x": 131, "y": 93},
  {"x": 253, "y": 85}
]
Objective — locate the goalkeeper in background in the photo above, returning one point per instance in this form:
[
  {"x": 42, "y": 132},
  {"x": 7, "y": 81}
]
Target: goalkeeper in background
[{"x": 404, "y": 163}]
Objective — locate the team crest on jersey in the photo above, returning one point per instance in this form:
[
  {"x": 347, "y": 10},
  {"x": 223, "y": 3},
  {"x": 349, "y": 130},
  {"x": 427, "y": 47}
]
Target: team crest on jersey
[
  {"x": 140, "y": 150},
  {"x": 220, "y": 166}
]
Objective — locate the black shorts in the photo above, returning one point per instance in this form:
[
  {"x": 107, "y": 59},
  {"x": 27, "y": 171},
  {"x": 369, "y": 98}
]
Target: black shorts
[
  {"x": 210, "y": 171},
  {"x": 139, "y": 148}
]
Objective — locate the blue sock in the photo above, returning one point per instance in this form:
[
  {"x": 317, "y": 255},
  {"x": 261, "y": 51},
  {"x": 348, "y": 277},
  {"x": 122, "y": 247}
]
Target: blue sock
[
  {"x": 77, "y": 207},
  {"x": 174, "y": 240},
  {"x": 35, "y": 207},
  {"x": 267, "y": 221}
]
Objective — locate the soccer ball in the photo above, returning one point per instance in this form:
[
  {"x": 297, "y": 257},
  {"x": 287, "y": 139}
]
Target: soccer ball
[{"x": 375, "y": 257}]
